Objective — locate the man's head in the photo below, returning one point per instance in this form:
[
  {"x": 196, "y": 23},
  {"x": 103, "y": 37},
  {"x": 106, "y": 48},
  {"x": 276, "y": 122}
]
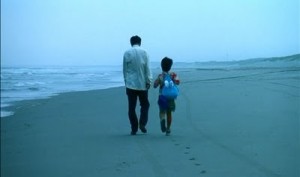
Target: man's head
[
  {"x": 166, "y": 64},
  {"x": 135, "y": 40}
]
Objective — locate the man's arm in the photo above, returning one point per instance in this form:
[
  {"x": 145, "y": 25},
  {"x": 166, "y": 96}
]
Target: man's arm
[
  {"x": 124, "y": 68},
  {"x": 148, "y": 73}
]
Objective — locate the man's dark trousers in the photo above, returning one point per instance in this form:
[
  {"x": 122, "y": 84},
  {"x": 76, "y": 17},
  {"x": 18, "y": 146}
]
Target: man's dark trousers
[{"x": 144, "y": 103}]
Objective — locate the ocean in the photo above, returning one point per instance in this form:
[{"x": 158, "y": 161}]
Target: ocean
[{"x": 27, "y": 83}]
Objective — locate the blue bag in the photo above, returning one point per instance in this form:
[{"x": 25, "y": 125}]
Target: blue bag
[{"x": 169, "y": 90}]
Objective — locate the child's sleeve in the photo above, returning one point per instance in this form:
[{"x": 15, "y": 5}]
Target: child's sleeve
[{"x": 175, "y": 78}]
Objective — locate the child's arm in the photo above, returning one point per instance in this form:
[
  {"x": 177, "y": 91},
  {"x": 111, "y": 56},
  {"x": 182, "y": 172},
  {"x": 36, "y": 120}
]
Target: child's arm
[
  {"x": 157, "y": 82},
  {"x": 175, "y": 78}
]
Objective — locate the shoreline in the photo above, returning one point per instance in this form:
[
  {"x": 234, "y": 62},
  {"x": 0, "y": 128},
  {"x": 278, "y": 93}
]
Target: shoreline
[
  {"x": 10, "y": 107},
  {"x": 230, "y": 69}
]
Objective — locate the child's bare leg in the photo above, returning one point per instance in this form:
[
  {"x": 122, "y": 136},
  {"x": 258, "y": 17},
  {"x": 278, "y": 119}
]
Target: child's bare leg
[
  {"x": 169, "y": 121},
  {"x": 162, "y": 116}
]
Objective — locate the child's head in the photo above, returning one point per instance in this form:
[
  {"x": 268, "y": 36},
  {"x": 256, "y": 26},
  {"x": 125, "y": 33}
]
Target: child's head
[{"x": 166, "y": 64}]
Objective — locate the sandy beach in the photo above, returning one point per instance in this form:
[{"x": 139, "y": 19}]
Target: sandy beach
[{"x": 228, "y": 123}]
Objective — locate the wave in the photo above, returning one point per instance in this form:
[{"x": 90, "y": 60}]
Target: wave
[
  {"x": 6, "y": 113},
  {"x": 28, "y": 83},
  {"x": 33, "y": 88}
]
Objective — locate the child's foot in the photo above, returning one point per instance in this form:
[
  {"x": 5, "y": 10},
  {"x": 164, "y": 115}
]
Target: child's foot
[
  {"x": 163, "y": 125},
  {"x": 168, "y": 131}
]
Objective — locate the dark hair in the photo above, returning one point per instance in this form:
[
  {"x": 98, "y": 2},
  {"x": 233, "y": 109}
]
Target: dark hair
[
  {"x": 166, "y": 64},
  {"x": 135, "y": 40}
]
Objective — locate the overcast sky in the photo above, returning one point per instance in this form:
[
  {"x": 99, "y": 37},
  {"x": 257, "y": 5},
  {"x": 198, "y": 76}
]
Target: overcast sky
[{"x": 85, "y": 32}]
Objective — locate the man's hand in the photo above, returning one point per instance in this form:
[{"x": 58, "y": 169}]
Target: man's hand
[{"x": 148, "y": 85}]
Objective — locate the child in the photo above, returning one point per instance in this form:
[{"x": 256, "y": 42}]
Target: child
[{"x": 166, "y": 64}]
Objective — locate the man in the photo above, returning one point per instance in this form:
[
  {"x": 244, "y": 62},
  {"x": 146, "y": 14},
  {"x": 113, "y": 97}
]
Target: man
[{"x": 137, "y": 78}]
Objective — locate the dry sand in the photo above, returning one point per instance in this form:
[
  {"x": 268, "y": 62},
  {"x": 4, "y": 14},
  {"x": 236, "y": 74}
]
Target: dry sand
[{"x": 228, "y": 123}]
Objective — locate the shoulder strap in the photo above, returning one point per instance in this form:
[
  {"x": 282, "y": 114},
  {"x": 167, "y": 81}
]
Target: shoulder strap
[{"x": 168, "y": 77}]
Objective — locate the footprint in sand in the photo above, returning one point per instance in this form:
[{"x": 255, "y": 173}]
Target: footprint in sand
[
  {"x": 193, "y": 159},
  {"x": 122, "y": 165},
  {"x": 27, "y": 125},
  {"x": 203, "y": 171},
  {"x": 187, "y": 148},
  {"x": 174, "y": 141}
]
